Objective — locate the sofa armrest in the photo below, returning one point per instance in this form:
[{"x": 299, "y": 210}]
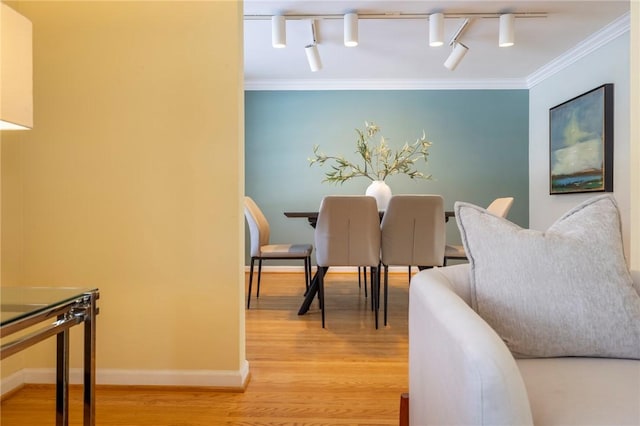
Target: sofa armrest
[
  {"x": 460, "y": 371},
  {"x": 458, "y": 279}
]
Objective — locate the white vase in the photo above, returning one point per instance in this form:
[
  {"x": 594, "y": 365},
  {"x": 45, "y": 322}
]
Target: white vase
[{"x": 381, "y": 192}]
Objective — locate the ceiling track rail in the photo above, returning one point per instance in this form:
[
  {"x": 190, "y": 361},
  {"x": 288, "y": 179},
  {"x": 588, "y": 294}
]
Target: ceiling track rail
[{"x": 519, "y": 15}]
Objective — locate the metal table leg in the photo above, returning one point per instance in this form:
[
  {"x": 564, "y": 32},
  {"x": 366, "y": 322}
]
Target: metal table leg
[
  {"x": 62, "y": 378},
  {"x": 89, "y": 412}
]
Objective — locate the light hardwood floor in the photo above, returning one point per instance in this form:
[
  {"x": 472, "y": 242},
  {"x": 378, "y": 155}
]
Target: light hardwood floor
[{"x": 346, "y": 374}]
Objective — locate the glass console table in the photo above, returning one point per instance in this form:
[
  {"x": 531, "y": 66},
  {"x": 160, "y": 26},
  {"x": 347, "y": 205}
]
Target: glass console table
[{"x": 42, "y": 312}]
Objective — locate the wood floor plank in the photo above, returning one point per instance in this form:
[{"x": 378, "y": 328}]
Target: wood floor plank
[{"x": 346, "y": 374}]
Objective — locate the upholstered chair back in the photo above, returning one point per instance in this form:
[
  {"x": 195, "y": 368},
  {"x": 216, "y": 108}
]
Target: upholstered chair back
[
  {"x": 500, "y": 206},
  {"x": 258, "y": 226},
  {"x": 348, "y": 231},
  {"x": 413, "y": 231}
]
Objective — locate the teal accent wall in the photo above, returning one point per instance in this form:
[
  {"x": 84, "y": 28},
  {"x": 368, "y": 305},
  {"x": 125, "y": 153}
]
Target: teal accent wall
[{"x": 480, "y": 148}]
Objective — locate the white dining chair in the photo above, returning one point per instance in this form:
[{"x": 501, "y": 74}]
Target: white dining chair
[
  {"x": 413, "y": 234},
  {"x": 261, "y": 249},
  {"x": 348, "y": 234}
]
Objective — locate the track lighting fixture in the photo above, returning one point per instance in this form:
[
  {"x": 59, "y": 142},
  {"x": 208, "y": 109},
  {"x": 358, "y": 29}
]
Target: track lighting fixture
[
  {"x": 313, "y": 56},
  {"x": 459, "y": 49},
  {"x": 278, "y": 31},
  {"x": 436, "y": 29},
  {"x": 458, "y": 52},
  {"x": 506, "y": 34},
  {"x": 351, "y": 29}
]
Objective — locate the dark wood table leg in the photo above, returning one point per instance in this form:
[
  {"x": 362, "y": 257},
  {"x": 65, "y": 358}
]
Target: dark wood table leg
[{"x": 311, "y": 293}]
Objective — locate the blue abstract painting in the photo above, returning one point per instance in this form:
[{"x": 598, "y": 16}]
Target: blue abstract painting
[{"x": 580, "y": 144}]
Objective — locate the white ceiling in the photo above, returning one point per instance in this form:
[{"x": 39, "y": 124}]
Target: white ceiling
[{"x": 396, "y": 52}]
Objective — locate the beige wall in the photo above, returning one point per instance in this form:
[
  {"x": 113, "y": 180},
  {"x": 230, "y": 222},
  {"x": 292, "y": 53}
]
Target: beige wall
[
  {"x": 10, "y": 228},
  {"x": 9, "y": 255},
  {"x": 132, "y": 177}
]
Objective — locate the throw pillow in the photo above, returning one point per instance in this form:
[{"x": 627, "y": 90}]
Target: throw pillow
[{"x": 563, "y": 292}]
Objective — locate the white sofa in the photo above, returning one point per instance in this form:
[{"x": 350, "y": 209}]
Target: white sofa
[{"x": 461, "y": 372}]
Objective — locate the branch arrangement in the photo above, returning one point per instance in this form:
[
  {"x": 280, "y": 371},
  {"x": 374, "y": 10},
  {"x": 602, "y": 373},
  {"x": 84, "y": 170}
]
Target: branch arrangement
[{"x": 378, "y": 159}]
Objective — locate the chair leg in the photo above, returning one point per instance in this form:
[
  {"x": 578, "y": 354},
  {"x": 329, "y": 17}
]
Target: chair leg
[
  {"x": 250, "y": 282},
  {"x": 386, "y": 291},
  {"x": 379, "y": 286},
  {"x": 375, "y": 287},
  {"x": 310, "y": 279},
  {"x": 307, "y": 260},
  {"x": 372, "y": 289},
  {"x": 317, "y": 277},
  {"x": 359, "y": 277},
  {"x": 321, "y": 291},
  {"x": 259, "y": 275},
  {"x": 378, "y": 270},
  {"x": 364, "y": 274}
]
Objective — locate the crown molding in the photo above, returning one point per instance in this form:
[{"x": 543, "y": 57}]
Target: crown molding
[
  {"x": 386, "y": 84},
  {"x": 394, "y": 15},
  {"x": 582, "y": 49}
]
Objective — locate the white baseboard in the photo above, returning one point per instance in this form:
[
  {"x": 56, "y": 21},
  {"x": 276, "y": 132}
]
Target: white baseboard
[
  {"x": 300, "y": 269},
  {"x": 223, "y": 379}
]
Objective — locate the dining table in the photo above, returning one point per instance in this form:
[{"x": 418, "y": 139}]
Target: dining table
[{"x": 312, "y": 218}]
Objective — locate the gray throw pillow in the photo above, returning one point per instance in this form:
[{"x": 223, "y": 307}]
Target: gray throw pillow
[{"x": 563, "y": 292}]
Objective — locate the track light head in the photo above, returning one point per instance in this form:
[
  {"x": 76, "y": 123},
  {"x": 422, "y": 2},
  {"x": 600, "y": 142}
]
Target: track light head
[
  {"x": 311, "y": 49},
  {"x": 313, "y": 57},
  {"x": 436, "y": 29},
  {"x": 459, "y": 49},
  {"x": 506, "y": 34},
  {"x": 278, "y": 31},
  {"x": 351, "y": 29},
  {"x": 458, "y": 52}
]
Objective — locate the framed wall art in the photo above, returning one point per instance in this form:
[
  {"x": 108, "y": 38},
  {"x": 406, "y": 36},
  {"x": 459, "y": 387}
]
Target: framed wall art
[{"x": 581, "y": 143}]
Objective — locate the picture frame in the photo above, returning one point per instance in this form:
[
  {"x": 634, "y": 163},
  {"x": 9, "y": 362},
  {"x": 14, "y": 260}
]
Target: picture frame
[{"x": 581, "y": 143}]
